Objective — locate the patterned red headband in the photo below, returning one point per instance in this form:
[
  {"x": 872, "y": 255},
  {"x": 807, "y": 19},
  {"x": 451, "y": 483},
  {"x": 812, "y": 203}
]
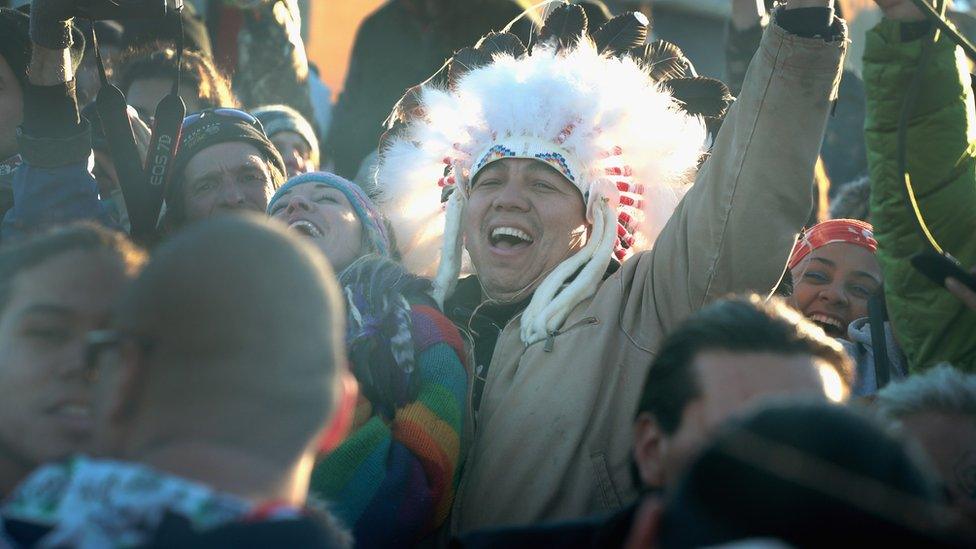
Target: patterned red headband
[{"x": 850, "y": 231}]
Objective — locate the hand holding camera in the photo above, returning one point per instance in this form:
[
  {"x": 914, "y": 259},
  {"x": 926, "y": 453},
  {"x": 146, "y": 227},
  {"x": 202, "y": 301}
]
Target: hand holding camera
[{"x": 51, "y": 19}]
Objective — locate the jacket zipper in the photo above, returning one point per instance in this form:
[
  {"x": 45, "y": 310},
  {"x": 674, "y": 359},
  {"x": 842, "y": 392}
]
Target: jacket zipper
[{"x": 551, "y": 339}]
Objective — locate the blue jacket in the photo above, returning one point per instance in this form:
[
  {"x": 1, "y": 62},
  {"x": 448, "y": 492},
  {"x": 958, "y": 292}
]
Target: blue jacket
[{"x": 54, "y": 186}]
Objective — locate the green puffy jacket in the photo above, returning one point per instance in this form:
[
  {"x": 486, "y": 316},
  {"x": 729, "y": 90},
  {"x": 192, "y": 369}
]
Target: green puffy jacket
[{"x": 931, "y": 325}]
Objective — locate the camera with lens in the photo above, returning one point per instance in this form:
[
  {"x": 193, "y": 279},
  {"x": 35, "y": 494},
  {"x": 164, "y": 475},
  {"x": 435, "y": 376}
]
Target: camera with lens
[{"x": 124, "y": 9}]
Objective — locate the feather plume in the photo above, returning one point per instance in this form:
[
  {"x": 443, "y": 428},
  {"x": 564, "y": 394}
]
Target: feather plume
[
  {"x": 565, "y": 26},
  {"x": 701, "y": 96},
  {"x": 496, "y": 43},
  {"x": 664, "y": 60},
  {"x": 613, "y": 105},
  {"x": 407, "y": 108},
  {"x": 465, "y": 60},
  {"x": 621, "y": 34}
]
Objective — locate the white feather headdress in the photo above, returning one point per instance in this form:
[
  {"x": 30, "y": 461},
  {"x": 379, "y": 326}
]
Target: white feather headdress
[{"x": 600, "y": 119}]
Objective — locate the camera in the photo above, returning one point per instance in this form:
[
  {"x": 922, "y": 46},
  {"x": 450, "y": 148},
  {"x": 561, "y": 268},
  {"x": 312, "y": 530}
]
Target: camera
[{"x": 97, "y": 10}]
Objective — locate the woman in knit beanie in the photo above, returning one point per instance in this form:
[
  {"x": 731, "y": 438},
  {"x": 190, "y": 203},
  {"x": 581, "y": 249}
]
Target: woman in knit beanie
[
  {"x": 292, "y": 135},
  {"x": 393, "y": 479}
]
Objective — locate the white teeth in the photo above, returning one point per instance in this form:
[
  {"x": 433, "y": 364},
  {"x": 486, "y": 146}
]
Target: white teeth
[
  {"x": 826, "y": 320},
  {"x": 511, "y": 231},
  {"x": 306, "y": 228}
]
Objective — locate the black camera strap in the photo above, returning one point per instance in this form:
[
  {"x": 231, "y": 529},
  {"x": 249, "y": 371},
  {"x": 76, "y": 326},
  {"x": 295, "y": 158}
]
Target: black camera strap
[
  {"x": 167, "y": 126},
  {"x": 877, "y": 316},
  {"x": 143, "y": 187},
  {"x": 112, "y": 110}
]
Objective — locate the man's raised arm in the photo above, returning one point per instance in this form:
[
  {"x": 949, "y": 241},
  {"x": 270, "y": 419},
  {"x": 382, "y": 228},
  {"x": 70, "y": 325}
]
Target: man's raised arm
[
  {"x": 734, "y": 230},
  {"x": 53, "y": 185}
]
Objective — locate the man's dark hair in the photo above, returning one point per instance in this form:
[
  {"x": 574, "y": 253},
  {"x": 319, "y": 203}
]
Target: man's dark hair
[
  {"x": 76, "y": 237},
  {"x": 209, "y": 85},
  {"x": 809, "y": 475},
  {"x": 739, "y": 325}
]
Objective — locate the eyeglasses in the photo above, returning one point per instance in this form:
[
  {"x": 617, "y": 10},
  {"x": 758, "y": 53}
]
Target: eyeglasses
[
  {"x": 97, "y": 342},
  {"x": 225, "y": 112}
]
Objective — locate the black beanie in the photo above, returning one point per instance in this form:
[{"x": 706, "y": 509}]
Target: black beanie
[
  {"x": 15, "y": 43},
  {"x": 214, "y": 129}
]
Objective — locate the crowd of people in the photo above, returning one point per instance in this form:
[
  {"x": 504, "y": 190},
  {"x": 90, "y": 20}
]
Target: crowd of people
[{"x": 531, "y": 282}]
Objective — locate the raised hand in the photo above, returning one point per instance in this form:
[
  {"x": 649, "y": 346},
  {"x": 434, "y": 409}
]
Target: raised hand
[{"x": 50, "y": 23}]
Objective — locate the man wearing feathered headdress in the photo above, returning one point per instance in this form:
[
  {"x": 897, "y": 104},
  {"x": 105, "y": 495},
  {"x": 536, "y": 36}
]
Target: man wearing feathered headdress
[{"x": 556, "y": 171}]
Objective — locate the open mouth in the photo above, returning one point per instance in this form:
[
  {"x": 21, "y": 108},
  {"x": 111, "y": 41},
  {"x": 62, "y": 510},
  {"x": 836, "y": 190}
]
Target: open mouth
[
  {"x": 306, "y": 228},
  {"x": 832, "y": 326},
  {"x": 509, "y": 238},
  {"x": 75, "y": 416}
]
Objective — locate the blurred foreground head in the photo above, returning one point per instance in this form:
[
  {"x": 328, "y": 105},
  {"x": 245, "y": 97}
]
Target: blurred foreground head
[
  {"x": 231, "y": 340},
  {"x": 722, "y": 361},
  {"x": 804, "y": 475},
  {"x": 938, "y": 409}
]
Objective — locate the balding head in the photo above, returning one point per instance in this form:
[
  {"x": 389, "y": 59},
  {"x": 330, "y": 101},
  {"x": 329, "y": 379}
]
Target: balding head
[{"x": 240, "y": 333}]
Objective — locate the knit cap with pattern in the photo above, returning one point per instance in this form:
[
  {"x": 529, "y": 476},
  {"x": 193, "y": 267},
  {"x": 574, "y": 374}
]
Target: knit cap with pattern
[
  {"x": 214, "y": 129},
  {"x": 373, "y": 222}
]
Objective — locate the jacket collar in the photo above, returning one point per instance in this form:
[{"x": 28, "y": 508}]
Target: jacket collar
[{"x": 102, "y": 503}]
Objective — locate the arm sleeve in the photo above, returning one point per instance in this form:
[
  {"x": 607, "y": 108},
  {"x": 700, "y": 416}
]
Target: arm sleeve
[
  {"x": 931, "y": 325},
  {"x": 394, "y": 483},
  {"x": 272, "y": 64},
  {"x": 735, "y": 228},
  {"x": 53, "y": 185}
]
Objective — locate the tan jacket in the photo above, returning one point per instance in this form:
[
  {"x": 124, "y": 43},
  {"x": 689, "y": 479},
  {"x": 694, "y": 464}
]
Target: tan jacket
[{"x": 553, "y": 436}]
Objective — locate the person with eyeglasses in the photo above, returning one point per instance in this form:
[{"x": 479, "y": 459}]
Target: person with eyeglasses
[
  {"x": 225, "y": 163},
  {"x": 54, "y": 289},
  {"x": 219, "y": 377}
]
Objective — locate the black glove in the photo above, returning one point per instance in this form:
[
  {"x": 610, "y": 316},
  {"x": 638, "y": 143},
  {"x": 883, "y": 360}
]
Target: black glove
[{"x": 50, "y": 23}]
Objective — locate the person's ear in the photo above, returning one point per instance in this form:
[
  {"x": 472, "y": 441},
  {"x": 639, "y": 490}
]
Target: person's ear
[
  {"x": 650, "y": 446},
  {"x": 347, "y": 393}
]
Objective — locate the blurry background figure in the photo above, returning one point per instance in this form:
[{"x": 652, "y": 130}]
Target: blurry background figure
[
  {"x": 143, "y": 33},
  {"x": 109, "y": 35},
  {"x": 396, "y": 47},
  {"x": 146, "y": 76},
  {"x": 852, "y": 201},
  {"x": 938, "y": 409},
  {"x": 802, "y": 475},
  {"x": 54, "y": 289},
  {"x": 293, "y": 136}
]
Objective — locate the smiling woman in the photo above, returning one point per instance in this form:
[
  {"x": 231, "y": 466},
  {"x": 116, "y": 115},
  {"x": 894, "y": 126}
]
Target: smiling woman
[
  {"x": 835, "y": 273},
  {"x": 407, "y": 358},
  {"x": 336, "y": 214}
]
